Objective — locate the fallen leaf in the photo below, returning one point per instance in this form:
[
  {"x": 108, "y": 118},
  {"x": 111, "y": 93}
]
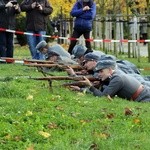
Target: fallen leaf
[
  {"x": 31, "y": 147},
  {"x": 109, "y": 98},
  {"x": 137, "y": 121},
  {"x": 52, "y": 125},
  {"x": 93, "y": 147},
  {"x": 110, "y": 116},
  {"x": 128, "y": 111},
  {"x": 59, "y": 108},
  {"x": 29, "y": 113},
  {"x": 44, "y": 134},
  {"x": 29, "y": 97}
]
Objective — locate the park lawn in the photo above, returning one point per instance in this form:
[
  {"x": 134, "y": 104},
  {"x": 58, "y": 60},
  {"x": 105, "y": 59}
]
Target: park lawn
[{"x": 36, "y": 117}]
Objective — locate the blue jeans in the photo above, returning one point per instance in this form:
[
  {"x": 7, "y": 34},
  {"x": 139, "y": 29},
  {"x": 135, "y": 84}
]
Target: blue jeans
[
  {"x": 33, "y": 41},
  {"x": 6, "y": 44}
]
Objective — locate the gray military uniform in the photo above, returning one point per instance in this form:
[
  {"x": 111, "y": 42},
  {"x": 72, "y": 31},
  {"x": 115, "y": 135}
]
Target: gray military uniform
[{"x": 124, "y": 86}]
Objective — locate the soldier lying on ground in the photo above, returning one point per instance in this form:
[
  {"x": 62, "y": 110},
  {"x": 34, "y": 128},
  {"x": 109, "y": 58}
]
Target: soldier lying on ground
[
  {"x": 45, "y": 48},
  {"x": 120, "y": 84},
  {"x": 79, "y": 51},
  {"x": 90, "y": 61}
]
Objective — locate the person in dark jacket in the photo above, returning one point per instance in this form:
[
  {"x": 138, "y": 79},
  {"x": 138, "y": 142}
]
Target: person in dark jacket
[
  {"x": 8, "y": 11},
  {"x": 37, "y": 13},
  {"x": 120, "y": 84},
  {"x": 84, "y": 12}
]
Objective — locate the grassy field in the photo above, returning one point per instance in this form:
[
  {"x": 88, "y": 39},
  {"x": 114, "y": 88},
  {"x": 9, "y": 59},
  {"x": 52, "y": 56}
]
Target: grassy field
[{"x": 35, "y": 117}]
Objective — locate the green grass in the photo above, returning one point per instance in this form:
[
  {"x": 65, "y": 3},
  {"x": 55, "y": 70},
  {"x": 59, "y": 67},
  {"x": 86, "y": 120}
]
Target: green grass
[{"x": 32, "y": 116}]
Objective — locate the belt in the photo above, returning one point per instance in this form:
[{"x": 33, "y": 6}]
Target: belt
[{"x": 137, "y": 93}]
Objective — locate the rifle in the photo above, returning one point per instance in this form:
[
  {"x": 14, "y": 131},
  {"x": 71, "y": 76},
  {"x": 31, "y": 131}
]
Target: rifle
[
  {"x": 81, "y": 84},
  {"x": 78, "y": 78},
  {"x": 75, "y": 66},
  {"x": 24, "y": 61},
  {"x": 29, "y": 61}
]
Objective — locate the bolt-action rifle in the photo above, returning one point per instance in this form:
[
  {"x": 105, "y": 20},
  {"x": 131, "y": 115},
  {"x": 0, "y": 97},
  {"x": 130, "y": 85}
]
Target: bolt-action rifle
[
  {"x": 78, "y": 78},
  {"x": 62, "y": 66}
]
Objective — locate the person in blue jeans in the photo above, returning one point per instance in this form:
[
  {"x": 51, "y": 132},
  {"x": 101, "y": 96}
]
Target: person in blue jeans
[
  {"x": 84, "y": 12},
  {"x": 37, "y": 13},
  {"x": 8, "y": 11}
]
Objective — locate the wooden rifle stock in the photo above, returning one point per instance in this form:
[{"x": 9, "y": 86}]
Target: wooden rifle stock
[{"x": 29, "y": 61}]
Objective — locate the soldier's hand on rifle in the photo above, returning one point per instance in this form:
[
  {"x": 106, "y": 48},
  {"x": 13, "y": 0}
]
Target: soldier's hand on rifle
[
  {"x": 74, "y": 88},
  {"x": 70, "y": 71},
  {"x": 82, "y": 72},
  {"x": 87, "y": 82}
]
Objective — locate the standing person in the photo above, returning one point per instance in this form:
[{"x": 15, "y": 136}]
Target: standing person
[
  {"x": 37, "y": 13},
  {"x": 8, "y": 11},
  {"x": 84, "y": 12}
]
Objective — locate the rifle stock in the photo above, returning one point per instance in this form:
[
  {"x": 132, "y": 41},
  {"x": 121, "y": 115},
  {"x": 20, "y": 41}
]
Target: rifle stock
[{"x": 29, "y": 61}]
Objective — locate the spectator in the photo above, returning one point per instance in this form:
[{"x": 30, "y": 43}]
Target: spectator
[
  {"x": 37, "y": 13},
  {"x": 8, "y": 11},
  {"x": 84, "y": 12}
]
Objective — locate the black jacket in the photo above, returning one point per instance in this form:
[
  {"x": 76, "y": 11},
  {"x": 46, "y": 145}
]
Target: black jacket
[
  {"x": 7, "y": 15},
  {"x": 36, "y": 20}
]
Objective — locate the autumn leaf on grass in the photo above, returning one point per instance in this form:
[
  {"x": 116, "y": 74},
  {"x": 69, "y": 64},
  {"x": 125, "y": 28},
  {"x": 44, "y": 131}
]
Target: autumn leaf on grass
[
  {"x": 59, "y": 108},
  {"x": 44, "y": 134},
  {"x": 31, "y": 147},
  {"x": 109, "y": 98},
  {"x": 52, "y": 125},
  {"x": 128, "y": 111},
  {"x": 8, "y": 136},
  {"x": 29, "y": 113},
  {"x": 93, "y": 146},
  {"x": 110, "y": 115},
  {"x": 102, "y": 135},
  {"x": 137, "y": 121},
  {"x": 29, "y": 97}
]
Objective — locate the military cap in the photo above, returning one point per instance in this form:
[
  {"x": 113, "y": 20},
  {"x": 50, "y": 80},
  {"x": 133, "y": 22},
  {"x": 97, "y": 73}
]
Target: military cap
[
  {"x": 108, "y": 57},
  {"x": 41, "y": 45},
  {"x": 91, "y": 56},
  {"x": 102, "y": 64},
  {"x": 78, "y": 51},
  {"x": 50, "y": 54}
]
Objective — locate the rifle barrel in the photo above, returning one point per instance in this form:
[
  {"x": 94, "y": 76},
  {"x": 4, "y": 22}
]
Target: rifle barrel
[
  {"x": 53, "y": 65},
  {"x": 65, "y": 78},
  {"x": 29, "y": 61}
]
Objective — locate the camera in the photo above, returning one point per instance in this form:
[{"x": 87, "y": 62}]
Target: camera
[
  {"x": 14, "y": 2},
  {"x": 37, "y": 4}
]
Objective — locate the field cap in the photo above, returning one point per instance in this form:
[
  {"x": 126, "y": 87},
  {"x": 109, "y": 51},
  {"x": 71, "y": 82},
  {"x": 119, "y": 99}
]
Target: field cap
[
  {"x": 78, "y": 51},
  {"x": 108, "y": 57},
  {"x": 86, "y": 1},
  {"x": 102, "y": 64},
  {"x": 90, "y": 57},
  {"x": 41, "y": 45},
  {"x": 51, "y": 54}
]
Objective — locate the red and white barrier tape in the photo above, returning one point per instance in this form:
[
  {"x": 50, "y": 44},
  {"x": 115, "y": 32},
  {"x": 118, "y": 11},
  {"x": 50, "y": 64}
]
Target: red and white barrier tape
[
  {"x": 11, "y": 60},
  {"x": 91, "y": 40}
]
